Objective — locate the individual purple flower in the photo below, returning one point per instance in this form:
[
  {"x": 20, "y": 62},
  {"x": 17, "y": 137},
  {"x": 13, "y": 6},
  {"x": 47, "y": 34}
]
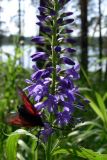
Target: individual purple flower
[
  {"x": 69, "y": 40},
  {"x": 36, "y": 76},
  {"x": 66, "y": 14},
  {"x": 51, "y": 104},
  {"x": 68, "y": 30},
  {"x": 47, "y": 29},
  {"x": 39, "y": 56},
  {"x": 42, "y": 73},
  {"x": 60, "y": 21},
  {"x": 52, "y": 12},
  {"x": 63, "y": 2},
  {"x": 38, "y": 39},
  {"x": 40, "y": 24},
  {"x": 67, "y": 60},
  {"x": 57, "y": 49},
  {"x": 73, "y": 72},
  {"x": 67, "y": 21},
  {"x": 42, "y": 9},
  {"x": 63, "y": 118},
  {"x": 48, "y": 130},
  {"x": 70, "y": 50},
  {"x": 41, "y": 18},
  {"x": 38, "y": 90},
  {"x": 39, "y": 106}
]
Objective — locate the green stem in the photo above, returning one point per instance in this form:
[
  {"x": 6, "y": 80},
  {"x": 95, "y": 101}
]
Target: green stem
[
  {"x": 53, "y": 44},
  {"x": 54, "y": 63},
  {"x": 48, "y": 149}
]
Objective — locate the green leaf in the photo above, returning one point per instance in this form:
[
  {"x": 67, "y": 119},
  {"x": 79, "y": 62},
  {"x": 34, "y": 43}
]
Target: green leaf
[
  {"x": 105, "y": 97},
  {"x": 88, "y": 123},
  {"x": 102, "y": 106},
  {"x": 11, "y": 144},
  {"x": 23, "y": 145},
  {"x": 96, "y": 109},
  {"x": 60, "y": 151},
  {"x": 20, "y": 157},
  {"x": 87, "y": 154},
  {"x": 91, "y": 155},
  {"x": 55, "y": 145}
]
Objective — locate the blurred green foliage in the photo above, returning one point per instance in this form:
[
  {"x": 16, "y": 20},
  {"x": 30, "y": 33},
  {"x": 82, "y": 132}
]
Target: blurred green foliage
[{"x": 12, "y": 74}]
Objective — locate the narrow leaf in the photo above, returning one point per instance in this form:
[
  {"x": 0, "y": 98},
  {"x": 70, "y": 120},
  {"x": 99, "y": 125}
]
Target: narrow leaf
[
  {"x": 102, "y": 106},
  {"x": 60, "y": 151},
  {"x": 96, "y": 109},
  {"x": 12, "y": 140}
]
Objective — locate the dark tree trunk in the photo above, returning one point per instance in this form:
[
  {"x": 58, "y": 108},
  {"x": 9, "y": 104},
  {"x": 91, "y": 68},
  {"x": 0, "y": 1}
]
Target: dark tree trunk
[
  {"x": 105, "y": 76},
  {"x": 84, "y": 35},
  {"x": 100, "y": 41}
]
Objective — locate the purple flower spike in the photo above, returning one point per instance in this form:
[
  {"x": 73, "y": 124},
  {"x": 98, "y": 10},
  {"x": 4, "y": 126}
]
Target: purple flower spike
[
  {"x": 51, "y": 86},
  {"x": 66, "y": 60}
]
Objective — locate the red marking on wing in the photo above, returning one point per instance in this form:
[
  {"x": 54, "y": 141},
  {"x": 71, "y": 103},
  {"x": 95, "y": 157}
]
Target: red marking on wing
[
  {"x": 16, "y": 120},
  {"x": 27, "y": 104}
]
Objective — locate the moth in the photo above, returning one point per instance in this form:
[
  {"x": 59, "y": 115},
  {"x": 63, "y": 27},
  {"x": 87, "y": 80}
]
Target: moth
[{"x": 27, "y": 115}]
